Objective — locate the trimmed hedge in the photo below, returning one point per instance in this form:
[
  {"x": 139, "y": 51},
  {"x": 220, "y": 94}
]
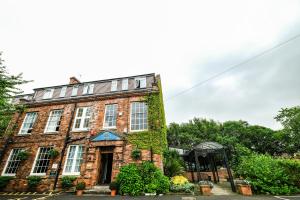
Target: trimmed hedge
[{"x": 268, "y": 175}]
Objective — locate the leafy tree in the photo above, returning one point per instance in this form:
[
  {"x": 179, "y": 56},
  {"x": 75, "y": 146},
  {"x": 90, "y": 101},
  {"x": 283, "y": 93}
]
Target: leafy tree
[
  {"x": 290, "y": 120},
  {"x": 8, "y": 89}
]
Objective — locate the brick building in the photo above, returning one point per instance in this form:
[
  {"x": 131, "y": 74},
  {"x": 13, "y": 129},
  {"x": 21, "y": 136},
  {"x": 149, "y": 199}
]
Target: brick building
[{"x": 89, "y": 124}]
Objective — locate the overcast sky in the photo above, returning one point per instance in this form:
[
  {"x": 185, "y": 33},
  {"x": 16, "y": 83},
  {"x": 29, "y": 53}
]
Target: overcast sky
[{"x": 184, "y": 41}]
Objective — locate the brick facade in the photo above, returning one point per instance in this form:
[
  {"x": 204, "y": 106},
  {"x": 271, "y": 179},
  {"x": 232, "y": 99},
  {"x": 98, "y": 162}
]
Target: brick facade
[{"x": 90, "y": 167}]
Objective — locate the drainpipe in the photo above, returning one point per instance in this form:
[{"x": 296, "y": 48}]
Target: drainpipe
[{"x": 64, "y": 147}]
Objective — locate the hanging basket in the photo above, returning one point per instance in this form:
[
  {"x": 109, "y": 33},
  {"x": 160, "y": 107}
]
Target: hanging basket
[
  {"x": 53, "y": 153},
  {"x": 136, "y": 154},
  {"x": 23, "y": 155}
]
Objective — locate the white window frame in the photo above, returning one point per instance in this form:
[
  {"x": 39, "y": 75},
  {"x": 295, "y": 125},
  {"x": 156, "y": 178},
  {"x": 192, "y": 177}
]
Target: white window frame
[
  {"x": 114, "y": 85},
  {"x": 8, "y": 160},
  {"x": 48, "y": 93},
  {"x": 116, "y": 113},
  {"x": 125, "y": 84},
  {"x": 75, "y": 90},
  {"x": 34, "y": 163},
  {"x": 83, "y": 117},
  {"x": 26, "y": 116},
  {"x": 73, "y": 161},
  {"x": 63, "y": 91},
  {"x": 88, "y": 88},
  {"x": 143, "y": 82},
  {"x": 131, "y": 103},
  {"x": 48, "y": 121}
]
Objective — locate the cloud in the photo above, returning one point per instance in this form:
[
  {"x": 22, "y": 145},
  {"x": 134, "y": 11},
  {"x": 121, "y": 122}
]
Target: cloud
[{"x": 185, "y": 42}]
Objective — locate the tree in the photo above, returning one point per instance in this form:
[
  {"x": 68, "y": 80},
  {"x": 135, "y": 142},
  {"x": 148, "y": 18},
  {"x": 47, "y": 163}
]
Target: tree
[
  {"x": 8, "y": 89},
  {"x": 290, "y": 120}
]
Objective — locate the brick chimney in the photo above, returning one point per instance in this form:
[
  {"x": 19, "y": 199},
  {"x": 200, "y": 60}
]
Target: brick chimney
[{"x": 73, "y": 80}]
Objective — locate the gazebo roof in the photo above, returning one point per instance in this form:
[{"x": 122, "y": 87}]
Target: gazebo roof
[{"x": 208, "y": 146}]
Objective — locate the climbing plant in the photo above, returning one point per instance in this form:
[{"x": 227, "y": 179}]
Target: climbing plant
[{"x": 156, "y": 136}]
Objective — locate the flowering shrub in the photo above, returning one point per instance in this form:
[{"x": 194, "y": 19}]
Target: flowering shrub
[
  {"x": 179, "y": 180},
  {"x": 181, "y": 184}
]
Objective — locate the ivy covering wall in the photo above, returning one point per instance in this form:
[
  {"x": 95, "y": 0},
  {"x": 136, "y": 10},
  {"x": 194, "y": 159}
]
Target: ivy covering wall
[{"x": 156, "y": 136}]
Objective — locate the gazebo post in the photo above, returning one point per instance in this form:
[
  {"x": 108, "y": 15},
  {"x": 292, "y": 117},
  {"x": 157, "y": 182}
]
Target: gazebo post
[
  {"x": 192, "y": 171},
  {"x": 197, "y": 165},
  {"x": 212, "y": 168},
  {"x": 229, "y": 171},
  {"x": 216, "y": 169}
]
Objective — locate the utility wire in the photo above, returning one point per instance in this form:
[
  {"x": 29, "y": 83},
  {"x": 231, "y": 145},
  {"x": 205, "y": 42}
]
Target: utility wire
[{"x": 234, "y": 67}]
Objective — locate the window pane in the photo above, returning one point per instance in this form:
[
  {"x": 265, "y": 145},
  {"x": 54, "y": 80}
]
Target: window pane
[
  {"x": 13, "y": 162},
  {"x": 63, "y": 91},
  {"x": 114, "y": 85},
  {"x": 42, "y": 161},
  {"x": 110, "y": 115},
  {"x": 54, "y": 121},
  {"x": 28, "y": 122},
  {"x": 139, "y": 120},
  {"x": 74, "y": 159}
]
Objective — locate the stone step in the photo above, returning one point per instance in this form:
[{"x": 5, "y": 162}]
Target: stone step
[{"x": 98, "y": 189}]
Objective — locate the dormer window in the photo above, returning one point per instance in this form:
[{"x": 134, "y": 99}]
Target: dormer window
[
  {"x": 125, "y": 84},
  {"x": 63, "y": 91},
  {"x": 48, "y": 93},
  {"x": 88, "y": 88},
  {"x": 74, "y": 90},
  {"x": 140, "y": 82},
  {"x": 114, "y": 85}
]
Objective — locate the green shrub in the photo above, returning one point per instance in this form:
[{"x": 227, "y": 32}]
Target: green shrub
[
  {"x": 269, "y": 175},
  {"x": 153, "y": 178},
  {"x": 4, "y": 180},
  {"x": 173, "y": 163},
  {"x": 67, "y": 181},
  {"x": 130, "y": 180},
  {"x": 80, "y": 186},
  {"x": 135, "y": 179},
  {"x": 33, "y": 181}
]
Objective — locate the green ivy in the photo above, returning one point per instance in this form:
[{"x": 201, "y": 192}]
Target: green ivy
[{"x": 156, "y": 136}]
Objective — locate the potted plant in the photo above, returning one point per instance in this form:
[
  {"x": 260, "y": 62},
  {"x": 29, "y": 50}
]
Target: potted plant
[
  {"x": 113, "y": 186},
  {"x": 23, "y": 155},
  {"x": 53, "y": 153},
  {"x": 79, "y": 188},
  {"x": 243, "y": 187},
  {"x": 33, "y": 182},
  {"x": 205, "y": 187},
  {"x": 136, "y": 154}
]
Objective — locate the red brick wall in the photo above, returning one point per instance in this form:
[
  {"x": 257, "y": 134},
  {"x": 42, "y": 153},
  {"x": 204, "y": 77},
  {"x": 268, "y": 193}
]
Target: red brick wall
[{"x": 89, "y": 169}]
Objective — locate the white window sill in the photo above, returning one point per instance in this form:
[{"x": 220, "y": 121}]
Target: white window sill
[
  {"x": 51, "y": 133},
  {"x": 111, "y": 127},
  {"x": 80, "y": 130},
  {"x": 71, "y": 174},
  {"x": 132, "y": 131},
  {"x": 36, "y": 174},
  {"x": 11, "y": 175}
]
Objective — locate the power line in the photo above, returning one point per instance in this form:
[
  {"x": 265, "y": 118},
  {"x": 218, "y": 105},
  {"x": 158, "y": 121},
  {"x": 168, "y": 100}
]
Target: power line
[{"x": 234, "y": 67}]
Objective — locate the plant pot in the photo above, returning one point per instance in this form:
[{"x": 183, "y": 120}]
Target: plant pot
[
  {"x": 205, "y": 190},
  {"x": 113, "y": 193},
  {"x": 245, "y": 190},
  {"x": 79, "y": 192}
]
